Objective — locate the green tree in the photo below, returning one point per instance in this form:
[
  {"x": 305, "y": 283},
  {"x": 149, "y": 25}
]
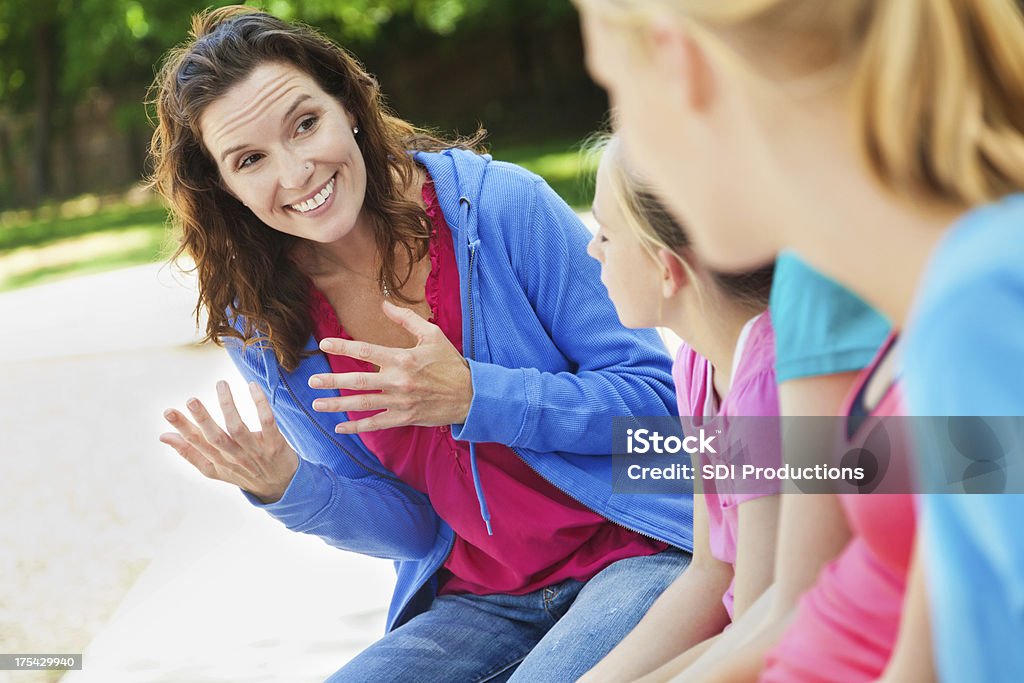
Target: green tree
[{"x": 53, "y": 53}]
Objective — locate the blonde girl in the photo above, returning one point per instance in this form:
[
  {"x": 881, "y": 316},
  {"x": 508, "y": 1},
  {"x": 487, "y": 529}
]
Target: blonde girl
[{"x": 724, "y": 367}]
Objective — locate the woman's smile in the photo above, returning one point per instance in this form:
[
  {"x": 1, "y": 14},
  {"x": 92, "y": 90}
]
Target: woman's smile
[{"x": 318, "y": 202}]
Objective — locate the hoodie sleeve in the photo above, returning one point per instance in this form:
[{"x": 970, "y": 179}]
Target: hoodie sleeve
[
  {"x": 614, "y": 371},
  {"x": 333, "y": 497}
]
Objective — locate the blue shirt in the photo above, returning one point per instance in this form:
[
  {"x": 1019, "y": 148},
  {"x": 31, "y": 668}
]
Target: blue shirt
[
  {"x": 964, "y": 355},
  {"x": 821, "y": 328},
  {"x": 551, "y": 366}
]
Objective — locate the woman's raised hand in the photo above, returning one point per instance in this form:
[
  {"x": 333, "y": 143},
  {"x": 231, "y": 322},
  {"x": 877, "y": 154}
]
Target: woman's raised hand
[
  {"x": 261, "y": 463},
  {"x": 429, "y": 384}
]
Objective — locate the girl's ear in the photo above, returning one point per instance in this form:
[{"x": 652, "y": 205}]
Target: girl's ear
[{"x": 674, "y": 275}]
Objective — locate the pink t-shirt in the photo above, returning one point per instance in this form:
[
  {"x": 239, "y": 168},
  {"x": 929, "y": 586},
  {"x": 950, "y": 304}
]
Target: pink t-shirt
[
  {"x": 752, "y": 393},
  {"x": 541, "y": 535},
  {"x": 846, "y": 624}
]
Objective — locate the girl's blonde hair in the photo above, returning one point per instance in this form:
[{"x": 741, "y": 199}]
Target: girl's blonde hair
[
  {"x": 654, "y": 227},
  {"x": 938, "y": 84}
]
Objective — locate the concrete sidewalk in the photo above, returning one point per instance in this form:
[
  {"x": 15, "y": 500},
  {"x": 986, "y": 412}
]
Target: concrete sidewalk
[
  {"x": 113, "y": 544},
  {"x": 144, "y": 307},
  {"x": 233, "y": 596}
]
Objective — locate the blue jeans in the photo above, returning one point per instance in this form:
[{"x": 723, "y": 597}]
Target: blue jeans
[{"x": 555, "y": 634}]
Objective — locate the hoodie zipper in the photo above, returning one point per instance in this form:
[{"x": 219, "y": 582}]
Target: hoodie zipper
[
  {"x": 463, "y": 201},
  {"x": 469, "y": 285}
]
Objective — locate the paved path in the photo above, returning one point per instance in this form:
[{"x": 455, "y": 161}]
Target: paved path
[{"x": 111, "y": 543}]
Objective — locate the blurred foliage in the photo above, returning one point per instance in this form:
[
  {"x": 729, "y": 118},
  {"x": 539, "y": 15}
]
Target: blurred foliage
[
  {"x": 48, "y": 246},
  {"x": 107, "y": 43},
  {"x": 566, "y": 169},
  {"x": 39, "y": 231},
  {"x": 57, "y": 54}
]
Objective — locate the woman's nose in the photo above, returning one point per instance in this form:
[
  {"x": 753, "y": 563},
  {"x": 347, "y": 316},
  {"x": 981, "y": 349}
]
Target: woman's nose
[{"x": 295, "y": 172}]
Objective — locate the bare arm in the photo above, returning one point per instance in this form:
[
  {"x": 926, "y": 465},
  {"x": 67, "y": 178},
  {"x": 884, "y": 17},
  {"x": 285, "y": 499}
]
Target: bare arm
[
  {"x": 669, "y": 670},
  {"x": 738, "y": 654},
  {"x": 688, "y": 612},
  {"x": 755, "y": 551},
  {"x": 813, "y": 527},
  {"x": 740, "y": 659},
  {"x": 912, "y": 660},
  {"x": 812, "y": 532}
]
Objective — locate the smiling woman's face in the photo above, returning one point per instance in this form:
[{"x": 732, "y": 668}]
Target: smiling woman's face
[{"x": 286, "y": 149}]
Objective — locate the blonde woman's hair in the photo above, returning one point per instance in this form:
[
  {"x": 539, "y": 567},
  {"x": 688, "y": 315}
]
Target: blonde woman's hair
[
  {"x": 938, "y": 84},
  {"x": 654, "y": 227}
]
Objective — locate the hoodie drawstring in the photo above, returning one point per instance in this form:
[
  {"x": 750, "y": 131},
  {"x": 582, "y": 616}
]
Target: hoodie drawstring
[{"x": 485, "y": 514}]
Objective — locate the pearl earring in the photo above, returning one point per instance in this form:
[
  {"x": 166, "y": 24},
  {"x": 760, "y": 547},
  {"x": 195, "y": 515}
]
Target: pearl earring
[{"x": 355, "y": 130}]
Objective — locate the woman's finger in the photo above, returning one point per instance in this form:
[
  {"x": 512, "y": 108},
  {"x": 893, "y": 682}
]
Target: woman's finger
[
  {"x": 423, "y": 330},
  {"x": 212, "y": 432},
  {"x": 190, "y": 453},
  {"x": 360, "y": 403},
  {"x": 271, "y": 434},
  {"x": 236, "y": 427},
  {"x": 357, "y": 381},
  {"x": 371, "y": 353},
  {"x": 384, "y": 420},
  {"x": 192, "y": 434}
]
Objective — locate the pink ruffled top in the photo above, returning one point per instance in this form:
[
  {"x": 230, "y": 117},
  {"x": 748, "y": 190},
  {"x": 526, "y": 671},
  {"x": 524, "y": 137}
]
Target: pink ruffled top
[
  {"x": 541, "y": 536},
  {"x": 753, "y": 394}
]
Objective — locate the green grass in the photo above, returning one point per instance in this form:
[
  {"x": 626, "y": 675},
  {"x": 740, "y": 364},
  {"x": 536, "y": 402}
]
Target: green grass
[
  {"x": 106, "y": 250},
  {"x": 57, "y": 241},
  {"x": 35, "y": 250},
  {"x": 51, "y": 228}
]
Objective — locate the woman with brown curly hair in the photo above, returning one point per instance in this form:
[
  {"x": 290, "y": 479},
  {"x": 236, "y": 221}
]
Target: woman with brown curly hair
[{"x": 433, "y": 357}]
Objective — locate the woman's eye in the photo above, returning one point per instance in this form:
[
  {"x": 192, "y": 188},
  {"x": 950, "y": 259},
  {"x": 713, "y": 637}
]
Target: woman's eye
[
  {"x": 307, "y": 123},
  {"x": 250, "y": 160}
]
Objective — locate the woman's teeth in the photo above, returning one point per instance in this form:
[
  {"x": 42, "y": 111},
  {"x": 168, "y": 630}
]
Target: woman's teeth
[{"x": 316, "y": 200}]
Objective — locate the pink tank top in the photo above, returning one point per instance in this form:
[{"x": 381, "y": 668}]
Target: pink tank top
[
  {"x": 541, "y": 535},
  {"x": 846, "y": 624}
]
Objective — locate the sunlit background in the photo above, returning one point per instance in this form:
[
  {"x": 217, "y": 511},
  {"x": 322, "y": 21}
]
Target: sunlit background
[{"x": 111, "y": 545}]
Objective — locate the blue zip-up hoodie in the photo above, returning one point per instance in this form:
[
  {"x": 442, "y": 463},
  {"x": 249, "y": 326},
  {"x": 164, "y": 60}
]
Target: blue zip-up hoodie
[{"x": 551, "y": 366}]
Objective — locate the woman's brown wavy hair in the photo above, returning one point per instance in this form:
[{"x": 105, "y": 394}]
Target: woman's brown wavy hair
[{"x": 244, "y": 267}]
